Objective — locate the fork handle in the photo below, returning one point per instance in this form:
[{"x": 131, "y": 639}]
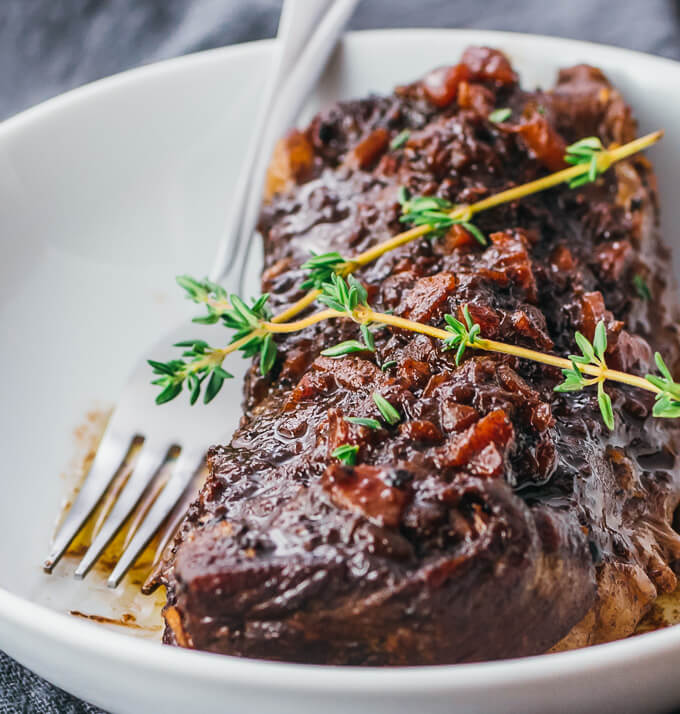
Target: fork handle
[
  {"x": 297, "y": 21},
  {"x": 302, "y": 79}
]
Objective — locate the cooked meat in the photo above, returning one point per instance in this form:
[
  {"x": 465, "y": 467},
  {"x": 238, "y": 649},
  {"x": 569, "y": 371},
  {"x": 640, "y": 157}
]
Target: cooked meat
[{"x": 498, "y": 518}]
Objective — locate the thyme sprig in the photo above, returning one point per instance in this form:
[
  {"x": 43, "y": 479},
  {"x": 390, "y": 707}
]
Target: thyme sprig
[
  {"x": 205, "y": 292},
  {"x": 462, "y": 335},
  {"x": 436, "y": 213},
  {"x": 591, "y": 354},
  {"x": 345, "y": 297},
  {"x": 230, "y": 309},
  {"x": 204, "y": 363},
  {"x": 200, "y": 361},
  {"x": 429, "y": 214},
  {"x": 348, "y": 299},
  {"x": 246, "y": 322},
  {"x": 322, "y": 266}
]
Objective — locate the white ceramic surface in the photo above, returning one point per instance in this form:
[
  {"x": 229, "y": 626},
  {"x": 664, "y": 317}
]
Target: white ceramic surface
[{"x": 105, "y": 194}]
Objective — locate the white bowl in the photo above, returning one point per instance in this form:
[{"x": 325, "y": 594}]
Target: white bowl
[{"x": 105, "y": 194}]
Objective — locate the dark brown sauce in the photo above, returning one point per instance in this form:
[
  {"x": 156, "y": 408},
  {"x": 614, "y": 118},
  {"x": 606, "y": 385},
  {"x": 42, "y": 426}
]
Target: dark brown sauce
[{"x": 126, "y": 620}]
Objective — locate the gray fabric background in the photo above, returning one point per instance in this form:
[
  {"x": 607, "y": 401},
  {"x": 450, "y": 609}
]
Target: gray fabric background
[{"x": 49, "y": 46}]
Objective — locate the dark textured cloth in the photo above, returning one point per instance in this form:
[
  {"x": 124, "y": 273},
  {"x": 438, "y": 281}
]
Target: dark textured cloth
[
  {"x": 49, "y": 46},
  {"x": 22, "y": 691}
]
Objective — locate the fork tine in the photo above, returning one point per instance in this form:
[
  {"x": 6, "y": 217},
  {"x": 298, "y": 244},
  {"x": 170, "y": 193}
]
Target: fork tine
[
  {"x": 110, "y": 455},
  {"x": 150, "y": 460},
  {"x": 187, "y": 465}
]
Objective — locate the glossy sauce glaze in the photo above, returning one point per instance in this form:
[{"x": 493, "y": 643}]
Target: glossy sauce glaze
[{"x": 498, "y": 518}]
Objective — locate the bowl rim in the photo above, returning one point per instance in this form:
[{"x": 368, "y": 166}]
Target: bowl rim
[{"x": 282, "y": 676}]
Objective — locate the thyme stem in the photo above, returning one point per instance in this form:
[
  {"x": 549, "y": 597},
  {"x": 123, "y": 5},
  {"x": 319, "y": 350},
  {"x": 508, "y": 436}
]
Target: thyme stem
[
  {"x": 301, "y": 324},
  {"x": 502, "y": 347},
  {"x": 297, "y": 307},
  {"x": 366, "y": 315},
  {"x": 368, "y": 256}
]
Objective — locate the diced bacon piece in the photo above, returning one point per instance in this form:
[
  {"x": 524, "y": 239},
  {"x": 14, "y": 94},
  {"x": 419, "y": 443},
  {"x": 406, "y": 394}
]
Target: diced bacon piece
[
  {"x": 507, "y": 260},
  {"x": 368, "y": 490},
  {"x": 487, "y": 64},
  {"x": 457, "y": 237},
  {"x": 531, "y": 329},
  {"x": 475, "y": 97},
  {"x": 456, "y": 417},
  {"x": 441, "y": 85},
  {"x": 489, "y": 462},
  {"x": 367, "y": 152},
  {"x": 613, "y": 258},
  {"x": 350, "y": 372},
  {"x": 562, "y": 259},
  {"x": 421, "y": 430},
  {"x": 413, "y": 372},
  {"x": 312, "y": 383},
  {"x": 495, "y": 428},
  {"x": 338, "y": 431},
  {"x": 543, "y": 141},
  {"x": 592, "y": 311},
  {"x": 292, "y": 162},
  {"x": 486, "y": 317},
  {"x": 427, "y": 297}
]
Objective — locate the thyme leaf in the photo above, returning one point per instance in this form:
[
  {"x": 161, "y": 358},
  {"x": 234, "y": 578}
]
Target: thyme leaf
[
  {"x": 641, "y": 287},
  {"x": 498, "y": 116},
  {"x": 344, "y": 348},
  {"x": 346, "y": 454},
  {"x": 434, "y": 212},
  {"x": 321, "y": 268},
  {"x": 463, "y": 335},
  {"x": 387, "y": 411},
  {"x": 364, "y": 421},
  {"x": 400, "y": 139},
  {"x": 343, "y": 295},
  {"x": 585, "y": 151},
  {"x": 667, "y": 401}
]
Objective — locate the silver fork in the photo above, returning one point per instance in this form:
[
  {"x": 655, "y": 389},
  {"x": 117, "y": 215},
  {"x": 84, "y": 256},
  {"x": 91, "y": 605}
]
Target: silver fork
[{"x": 307, "y": 34}]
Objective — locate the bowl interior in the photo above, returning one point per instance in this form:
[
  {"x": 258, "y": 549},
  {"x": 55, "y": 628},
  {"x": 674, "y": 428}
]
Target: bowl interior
[{"x": 112, "y": 190}]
